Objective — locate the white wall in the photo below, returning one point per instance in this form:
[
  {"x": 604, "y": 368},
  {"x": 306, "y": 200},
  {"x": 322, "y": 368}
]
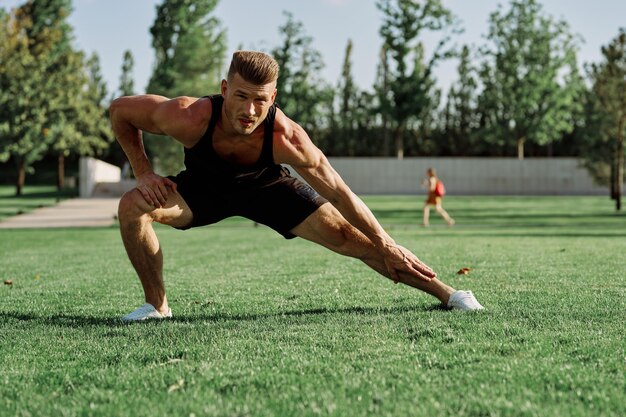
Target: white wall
[
  {"x": 93, "y": 171},
  {"x": 462, "y": 176},
  {"x": 469, "y": 176}
]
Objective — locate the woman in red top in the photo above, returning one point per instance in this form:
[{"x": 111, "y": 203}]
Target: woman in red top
[{"x": 435, "y": 195}]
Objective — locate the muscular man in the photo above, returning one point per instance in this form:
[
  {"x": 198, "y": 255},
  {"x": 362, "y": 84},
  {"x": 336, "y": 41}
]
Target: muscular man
[{"x": 235, "y": 144}]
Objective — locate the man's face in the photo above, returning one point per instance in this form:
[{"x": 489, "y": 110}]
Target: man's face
[{"x": 246, "y": 104}]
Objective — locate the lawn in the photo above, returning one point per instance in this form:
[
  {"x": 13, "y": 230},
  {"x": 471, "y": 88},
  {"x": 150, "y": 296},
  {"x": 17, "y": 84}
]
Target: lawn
[
  {"x": 33, "y": 197},
  {"x": 268, "y": 327}
]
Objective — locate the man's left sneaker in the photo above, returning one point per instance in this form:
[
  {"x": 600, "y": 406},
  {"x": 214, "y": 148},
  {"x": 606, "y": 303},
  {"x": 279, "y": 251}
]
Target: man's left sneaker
[
  {"x": 146, "y": 312},
  {"x": 464, "y": 301}
]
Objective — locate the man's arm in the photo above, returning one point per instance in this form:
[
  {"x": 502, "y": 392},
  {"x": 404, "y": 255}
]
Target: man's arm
[
  {"x": 296, "y": 149},
  {"x": 159, "y": 115}
]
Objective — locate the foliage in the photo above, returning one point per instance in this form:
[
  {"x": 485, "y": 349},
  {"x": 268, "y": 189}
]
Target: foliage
[
  {"x": 531, "y": 85},
  {"x": 605, "y": 121},
  {"x": 80, "y": 124},
  {"x": 460, "y": 117},
  {"x": 302, "y": 94},
  {"x": 410, "y": 87},
  {"x": 127, "y": 84},
  {"x": 115, "y": 154},
  {"x": 45, "y": 93},
  {"x": 353, "y": 130},
  {"x": 190, "y": 47}
]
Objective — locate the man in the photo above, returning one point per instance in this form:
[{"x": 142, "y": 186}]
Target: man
[{"x": 234, "y": 145}]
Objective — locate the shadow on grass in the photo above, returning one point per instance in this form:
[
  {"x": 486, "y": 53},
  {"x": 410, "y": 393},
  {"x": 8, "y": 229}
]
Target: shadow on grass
[
  {"x": 545, "y": 234},
  {"x": 52, "y": 194},
  {"x": 494, "y": 214},
  {"x": 76, "y": 321}
]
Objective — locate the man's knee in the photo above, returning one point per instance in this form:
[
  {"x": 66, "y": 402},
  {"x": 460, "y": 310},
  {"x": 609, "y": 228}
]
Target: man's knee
[{"x": 133, "y": 205}]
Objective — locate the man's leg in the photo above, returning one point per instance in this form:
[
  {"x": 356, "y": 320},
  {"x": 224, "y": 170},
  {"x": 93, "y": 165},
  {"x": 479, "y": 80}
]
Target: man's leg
[
  {"x": 141, "y": 243},
  {"x": 327, "y": 227}
]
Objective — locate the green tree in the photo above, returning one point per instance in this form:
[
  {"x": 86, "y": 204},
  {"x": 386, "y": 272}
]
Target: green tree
[
  {"x": 126, "y": 88},
  {"x": 531, "y": 83},
  {"x": 31, "y": 48},
  {"x": 460, "y": 115},
  {"x": 127, "y": 83},
  {"x": 346, "y": 138},
  {"x": 606, "y": 117},
  {"x": 302, "y": 94},
  {"x": 422, "y": 125},
  {"x": 404, "y": 21},
  {"x": 384, "y": 100},
  {"x": 44, "y": 83},
  {"x": 80, "y": 124},
  {"x": 190, "y": 48}
]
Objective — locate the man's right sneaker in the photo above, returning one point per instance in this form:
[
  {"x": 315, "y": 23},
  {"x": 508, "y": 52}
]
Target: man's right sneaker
[
  {"x": 464, "y": 301},
  {"x": 146, "y": 312}
]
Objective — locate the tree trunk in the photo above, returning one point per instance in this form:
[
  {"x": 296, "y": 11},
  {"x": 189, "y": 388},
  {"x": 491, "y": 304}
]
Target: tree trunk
[
  {"x": 383, "y": 59},
  {"x": 21, "y": 176},
  {"x": 385, "y": 135},
  {"x": 520, "y": 148},
  {"x": 619, "y": 183},
  {"x": 612, "y": 177},
  {"x": 399, "y": 143},
  {"x": 61, "y": 172}
]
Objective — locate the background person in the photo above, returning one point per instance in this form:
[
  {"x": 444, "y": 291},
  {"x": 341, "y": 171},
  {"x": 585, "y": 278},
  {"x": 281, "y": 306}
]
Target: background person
[{"x": 434, "y": 198}]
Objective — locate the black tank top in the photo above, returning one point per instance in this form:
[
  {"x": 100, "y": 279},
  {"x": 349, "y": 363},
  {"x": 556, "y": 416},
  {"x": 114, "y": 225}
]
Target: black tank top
[{"x": 204, "y": 164}]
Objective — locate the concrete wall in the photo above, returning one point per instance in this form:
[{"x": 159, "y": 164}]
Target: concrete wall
[
  {"x": 93, "y": 171},
  {"x": 462, "y": 176},
  {"x": 469, "y": 176}
]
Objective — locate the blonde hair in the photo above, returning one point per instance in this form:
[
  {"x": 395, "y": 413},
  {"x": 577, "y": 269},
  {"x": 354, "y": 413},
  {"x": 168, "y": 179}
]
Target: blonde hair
[{"x": 254, "y": 67}]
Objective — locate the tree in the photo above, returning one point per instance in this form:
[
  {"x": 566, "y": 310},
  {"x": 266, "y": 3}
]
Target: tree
[
  {"x": 410, "y": 88},
  {"x": 44, "y": 84},
  {"x": 302, "y": 94},
  {"x": 31, "y": 47},
  {"x": 606, "y": 116},
  {"x": 190, "y": 47},
  {"x": 346, "y": 137},
  {"x": 460, "y": 115},
  {"x": 79, "y": 124},
  {"x": 126, "y": 88},
  {"x": 530, "y": 78},
  {"x": 421, "y": 125},
  {"x": 127, "y": 84},
  {"x": 384, "y": 98}
]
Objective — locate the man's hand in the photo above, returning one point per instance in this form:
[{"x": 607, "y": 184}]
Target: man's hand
[
  {"x": 155, "y": 188},
  {"x": 399, "y": 259}
]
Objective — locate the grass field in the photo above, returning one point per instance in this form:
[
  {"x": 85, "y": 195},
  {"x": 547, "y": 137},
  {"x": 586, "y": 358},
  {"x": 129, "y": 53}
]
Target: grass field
[
  {"x": 33, "y": 197},
  {"x": 269, "y": 327}
]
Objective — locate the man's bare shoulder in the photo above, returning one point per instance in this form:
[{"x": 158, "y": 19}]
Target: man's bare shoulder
[
  {"x": 289, "y": 131},
  {"x": 292, "y": 144},
  {"x": 194, "y": 106},
  {"x": 188, "y": 118}
]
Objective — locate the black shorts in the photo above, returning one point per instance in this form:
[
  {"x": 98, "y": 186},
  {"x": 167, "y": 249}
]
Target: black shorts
[{"x": 281, "y": 203}]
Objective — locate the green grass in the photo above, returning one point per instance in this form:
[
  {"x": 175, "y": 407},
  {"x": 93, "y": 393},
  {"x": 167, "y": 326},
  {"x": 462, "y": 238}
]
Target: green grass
[
  {"x": 269, "y": 327},
  {"x": 33, "y": 197}
]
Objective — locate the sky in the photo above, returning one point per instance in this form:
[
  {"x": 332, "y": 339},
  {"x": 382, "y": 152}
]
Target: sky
[{"x": 109, "y": 27}]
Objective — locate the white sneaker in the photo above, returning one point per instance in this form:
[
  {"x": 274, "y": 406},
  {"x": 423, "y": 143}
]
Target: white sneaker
[
  {"x": 464, "y": 301},
  {"x": 146, "y": 312}
]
